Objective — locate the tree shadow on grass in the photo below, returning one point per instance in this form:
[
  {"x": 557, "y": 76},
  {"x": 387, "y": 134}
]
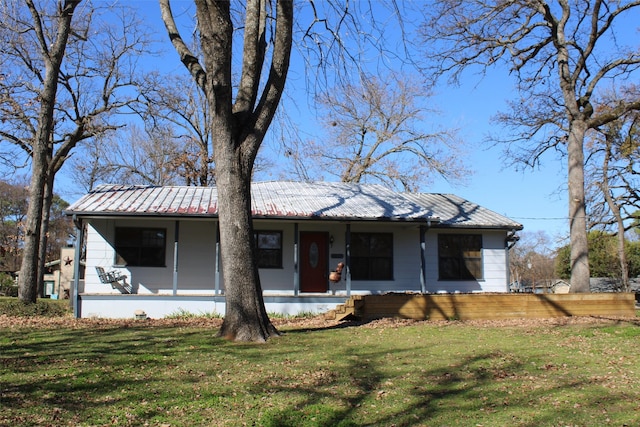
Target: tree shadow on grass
[
  {"x": 65, "y": 378},
  {"x": 372, "y": 395},
  {"x": 112, "y": 371}
]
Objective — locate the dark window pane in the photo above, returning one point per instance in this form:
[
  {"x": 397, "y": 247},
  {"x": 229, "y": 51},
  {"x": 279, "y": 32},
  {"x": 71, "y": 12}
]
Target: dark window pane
[
  {"x": 460, "y": 257},
  {"x": 372, "y": 256},
  {"x": 269, "y": 249},
  {"x": 142, "y": 247},
  {"x": 359, "y": 244}
]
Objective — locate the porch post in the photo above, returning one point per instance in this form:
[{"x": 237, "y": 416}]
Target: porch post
[
  {"x": 347, "y": 259},
  {"x": 217, "y": 260},
  {"x": 76, "y": 266},
  {"x": 296, "y": 271},
  {"x": 176, "y": 238},
  {"x": 423, "y": 264}
]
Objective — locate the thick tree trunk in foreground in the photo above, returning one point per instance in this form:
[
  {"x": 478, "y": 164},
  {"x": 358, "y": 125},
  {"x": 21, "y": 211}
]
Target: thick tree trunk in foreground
[
  {"x": 44, "y": 232},
  {"x": 577, "y": 210},
  {"x": 238, "y": 129},
  {"x": 246, "y": 318}
]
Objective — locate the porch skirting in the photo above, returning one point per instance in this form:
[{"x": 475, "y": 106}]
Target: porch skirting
[{"x": 115, "y": 306}]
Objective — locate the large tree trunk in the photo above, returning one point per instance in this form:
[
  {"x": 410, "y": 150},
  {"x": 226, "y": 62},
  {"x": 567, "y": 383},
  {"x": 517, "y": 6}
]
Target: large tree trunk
[
  {"x": 28, "y": 276},
  {"x": 44, "y": 232},
  {"x": 577, "y": 209},
  {"x": 246, "y": 318},
  {"x": 238, "y": 129},
  {"x": 53, "y": 56}
]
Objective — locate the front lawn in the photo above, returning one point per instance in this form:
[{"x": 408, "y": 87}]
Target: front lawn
[{"x": 565, "y": 372}]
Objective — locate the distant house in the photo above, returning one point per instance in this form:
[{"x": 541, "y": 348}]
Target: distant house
[
  {"x": 165, "y": 241},
  {"x": 58, "y": 277},
  {"x": 610, "y": 284},
  {"x": 561, "y": 287}
]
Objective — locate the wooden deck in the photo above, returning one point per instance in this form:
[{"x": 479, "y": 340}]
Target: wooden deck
[{"x": 484, "y": 306}]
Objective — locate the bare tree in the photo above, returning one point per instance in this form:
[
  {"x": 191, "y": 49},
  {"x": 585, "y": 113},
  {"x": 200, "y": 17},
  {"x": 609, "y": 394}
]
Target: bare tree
[
  {"x": 134, "y": 156},
  {"x": 376, "y": 133},
  {"x": 562, "y": 53},
  {"x": 13, "y": 207},
  {"x": 241, "y": 111},
  {"x": 614, "y": 180},
  {"x": 176, "y": 102},
  {"x": 240, "y": 121},
  {"x": 531, "y": 261},
  {"x": 50, "y": 50},
  {"x": 69, "y": 75}
]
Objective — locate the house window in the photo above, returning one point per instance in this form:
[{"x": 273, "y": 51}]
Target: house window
[
  {"x": 372, "y": 256},
  {"x": 141, "y": 247},
  {"x": 269, "y": 249},
  {"x": 460, "y": 256}
]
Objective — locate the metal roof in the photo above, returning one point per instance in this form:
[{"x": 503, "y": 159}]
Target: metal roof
[{"x": 294, "y": 200}]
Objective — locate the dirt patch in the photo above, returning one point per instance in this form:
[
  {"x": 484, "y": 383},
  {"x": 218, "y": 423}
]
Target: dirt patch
[{"x": 298, "y": 323}]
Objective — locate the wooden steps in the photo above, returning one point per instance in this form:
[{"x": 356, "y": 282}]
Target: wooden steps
[
  {"x": 351, "y": 309},
  {"x": 483, "y": 306}
]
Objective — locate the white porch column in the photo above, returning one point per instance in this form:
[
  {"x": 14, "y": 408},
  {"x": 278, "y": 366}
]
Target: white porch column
[
  {"x": 217, "y": 260},
  {"x": 76, "y": 266},
  {"x": 423, "y": 264},
  {"x": 347, "y": 259},
  {"x": 296, "y": 267},
  {"x": 176, "y": 238}
]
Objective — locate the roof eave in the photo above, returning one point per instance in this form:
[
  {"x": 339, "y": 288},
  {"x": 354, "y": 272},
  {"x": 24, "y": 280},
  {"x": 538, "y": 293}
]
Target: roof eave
[{"x": 98, "y": 215}]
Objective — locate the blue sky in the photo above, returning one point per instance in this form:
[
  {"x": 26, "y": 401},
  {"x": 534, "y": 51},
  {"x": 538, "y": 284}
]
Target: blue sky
[{"x": 534, "y": 197}]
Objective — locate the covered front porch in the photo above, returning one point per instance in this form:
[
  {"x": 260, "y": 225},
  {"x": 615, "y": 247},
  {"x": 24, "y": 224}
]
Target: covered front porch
[{"x": 161, "y": 306}]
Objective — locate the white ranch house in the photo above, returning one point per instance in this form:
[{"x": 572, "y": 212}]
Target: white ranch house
[{"x": 165, "y": 241}]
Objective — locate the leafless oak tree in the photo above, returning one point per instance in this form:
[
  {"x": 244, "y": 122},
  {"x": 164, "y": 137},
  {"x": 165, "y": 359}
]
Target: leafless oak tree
[
  {"x": 377, "y": 132},
  {"x": 240, "y": 121},
  {"x": 614, "y": 180},
  {"x": 257, "y": 37},
  {"x": 177, "y": 103},
  {"x": 132, "y": 156},
  {"x": 67, "y": 74},
  {"x": 563, "y": 53}
]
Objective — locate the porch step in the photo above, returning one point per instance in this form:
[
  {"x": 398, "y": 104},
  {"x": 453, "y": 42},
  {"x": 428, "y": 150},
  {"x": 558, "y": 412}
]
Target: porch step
[{"x": 350, "y": 309}]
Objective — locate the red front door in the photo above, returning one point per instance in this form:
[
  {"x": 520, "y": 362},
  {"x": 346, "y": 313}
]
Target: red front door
[{"x": 313, "y": 262}]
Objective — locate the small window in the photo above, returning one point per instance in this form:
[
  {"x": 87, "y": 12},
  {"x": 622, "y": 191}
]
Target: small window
[
  {"x": 460, "y": 256},
  {"x": 372, "y": 256},
  {"x": 140, "y": 247},
  {"x": 269, "y": 249}
]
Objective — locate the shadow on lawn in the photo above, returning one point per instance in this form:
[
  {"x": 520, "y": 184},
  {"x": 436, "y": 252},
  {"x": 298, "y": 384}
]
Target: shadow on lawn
[
  {"x": 361, "y": 383},
  {"x": 434, "y": 393},
  {"x": 69, "y": 375},
  {"x": 375, "y": 397}
]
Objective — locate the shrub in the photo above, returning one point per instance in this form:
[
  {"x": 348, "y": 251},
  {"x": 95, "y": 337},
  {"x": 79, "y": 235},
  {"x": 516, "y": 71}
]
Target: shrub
[
  {"x": 42, "y": 307},
  {"x": 8, "y": 286}
]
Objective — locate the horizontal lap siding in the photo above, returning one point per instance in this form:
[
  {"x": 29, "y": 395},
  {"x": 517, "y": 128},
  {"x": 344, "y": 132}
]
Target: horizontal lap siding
[
  {"x": 196, "y": 269},
  {"x": 494, "y": 262},
  {"x": 406, "y": 259},
  {"x": 99, "y": 253},
  {"x": 493, "y": 258},
  {"x": 196, "y": 257},
  {"x": 147, "y": 280}
]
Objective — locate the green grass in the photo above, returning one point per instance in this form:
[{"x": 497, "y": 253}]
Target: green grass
[
  {"x": 183, "y": 314},
  {"x": 382, "y": 374}
]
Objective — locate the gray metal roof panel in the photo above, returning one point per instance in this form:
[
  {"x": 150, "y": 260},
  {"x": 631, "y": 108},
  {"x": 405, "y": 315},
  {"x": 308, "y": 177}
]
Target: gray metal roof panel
[{"x": 285, "y": 199}]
